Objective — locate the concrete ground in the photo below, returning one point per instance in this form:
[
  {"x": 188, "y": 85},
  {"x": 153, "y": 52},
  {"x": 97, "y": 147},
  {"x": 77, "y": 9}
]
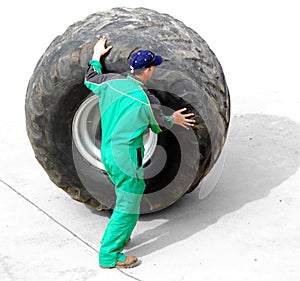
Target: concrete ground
[{"x": 246, "y": 229}]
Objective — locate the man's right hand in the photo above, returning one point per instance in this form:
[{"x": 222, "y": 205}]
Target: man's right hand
[{"x": 183, "y": 119}]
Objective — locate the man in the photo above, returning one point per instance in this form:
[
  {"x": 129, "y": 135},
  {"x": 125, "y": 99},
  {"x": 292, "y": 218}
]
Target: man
[{"x": 127, "y": 109}]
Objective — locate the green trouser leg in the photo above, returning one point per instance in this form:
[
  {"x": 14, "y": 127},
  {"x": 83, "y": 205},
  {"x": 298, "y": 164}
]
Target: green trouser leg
[
  {"x": 129, "y": 192},
  {"x": 117, "y": 233}
]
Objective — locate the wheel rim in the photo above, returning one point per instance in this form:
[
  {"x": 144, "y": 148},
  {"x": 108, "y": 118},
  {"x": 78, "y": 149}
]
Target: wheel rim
[{"x": 87, "y": 134}]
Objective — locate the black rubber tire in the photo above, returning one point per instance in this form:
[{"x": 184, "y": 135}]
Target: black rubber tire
[{"x": 191, "y": 76}]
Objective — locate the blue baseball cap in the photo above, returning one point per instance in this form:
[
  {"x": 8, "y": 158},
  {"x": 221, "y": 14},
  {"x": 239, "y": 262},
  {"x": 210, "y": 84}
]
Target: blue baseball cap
[{"x": 143, "y": 59}]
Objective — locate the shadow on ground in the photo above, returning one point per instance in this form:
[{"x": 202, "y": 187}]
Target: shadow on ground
[{"x": 262, "y": 152}]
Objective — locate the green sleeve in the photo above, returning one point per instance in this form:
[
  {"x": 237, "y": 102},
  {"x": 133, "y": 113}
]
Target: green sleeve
[
  {"x": 171, "y": 120},
  {"x": 93, "y": 76},
  {"x": 97, "y": 65},
  {"x": 153, "y": 124}
]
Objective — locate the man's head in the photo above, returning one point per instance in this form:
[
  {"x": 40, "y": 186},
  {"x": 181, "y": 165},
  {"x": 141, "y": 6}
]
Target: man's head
[{"x": 144, "y": 62}]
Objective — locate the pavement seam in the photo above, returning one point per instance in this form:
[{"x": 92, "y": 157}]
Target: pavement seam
[
  {"x": 128, "y": 275},
  {"x": 49, "y": 216},
  {"x": 60, "y": 224}
]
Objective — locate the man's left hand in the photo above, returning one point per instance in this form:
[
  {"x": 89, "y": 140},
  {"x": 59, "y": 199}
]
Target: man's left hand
[{"x": 100, "y": 49}]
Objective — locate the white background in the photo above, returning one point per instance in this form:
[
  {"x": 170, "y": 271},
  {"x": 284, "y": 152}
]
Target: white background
[{"x": 257, "y": 42}]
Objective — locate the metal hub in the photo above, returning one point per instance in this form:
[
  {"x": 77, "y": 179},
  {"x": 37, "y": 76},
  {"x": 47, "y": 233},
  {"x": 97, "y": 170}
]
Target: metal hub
[{"x": 87, "y": 134}]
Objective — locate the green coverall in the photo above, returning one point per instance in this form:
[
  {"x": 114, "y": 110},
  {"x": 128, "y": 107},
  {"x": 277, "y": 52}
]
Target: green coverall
[{"x": 127, "y": 109}]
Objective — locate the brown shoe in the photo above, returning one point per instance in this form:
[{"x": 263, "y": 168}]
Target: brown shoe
[{"x": 130, "y": 262}]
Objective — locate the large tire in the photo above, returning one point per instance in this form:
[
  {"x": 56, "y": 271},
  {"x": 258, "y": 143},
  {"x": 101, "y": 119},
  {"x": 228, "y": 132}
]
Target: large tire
[{"x": 190, "y": 76}]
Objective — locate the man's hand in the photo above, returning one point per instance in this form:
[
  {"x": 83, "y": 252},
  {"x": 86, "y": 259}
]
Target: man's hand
[
  {"x": 100, "y": 49},
  {"x": 182, "y": 119}
]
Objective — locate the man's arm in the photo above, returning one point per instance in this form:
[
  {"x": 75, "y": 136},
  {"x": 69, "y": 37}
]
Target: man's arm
[
  {"x": 100, "y": 49},
  {"x": 94, "y": 76},
  {"x": 166, "y": 122},
  {"x": 160, "y": 122}
]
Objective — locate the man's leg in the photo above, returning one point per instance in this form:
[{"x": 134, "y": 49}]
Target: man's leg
[
  {"x": 117, "y": 233},
  {"x": 122, "y": 221}
]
